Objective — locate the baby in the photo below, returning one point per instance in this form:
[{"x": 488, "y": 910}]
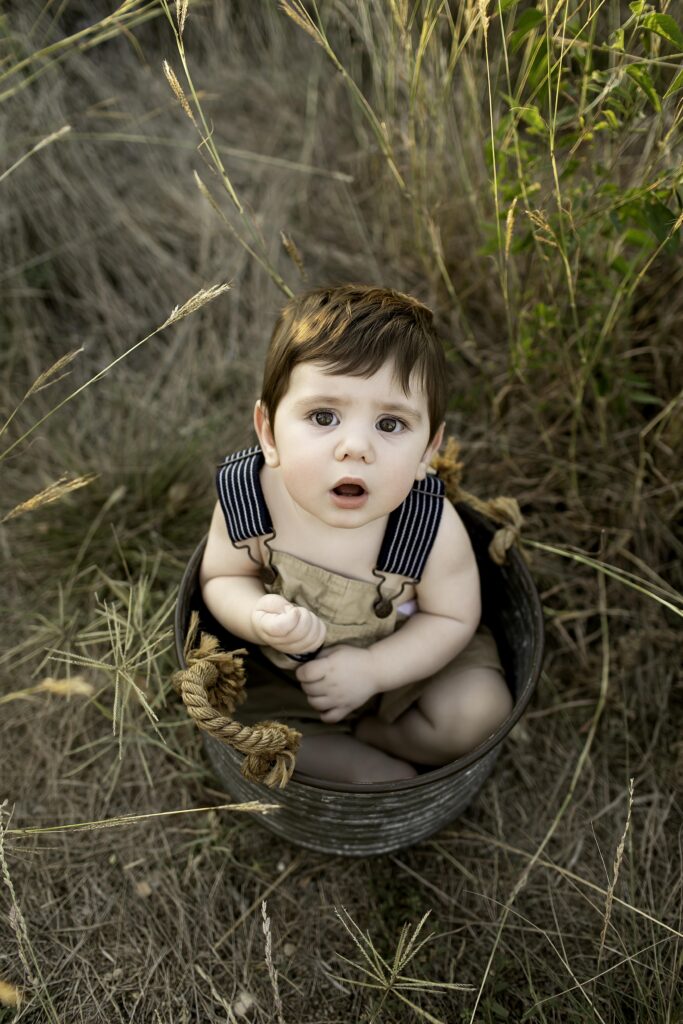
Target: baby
[{"x": 333, "y": 548}]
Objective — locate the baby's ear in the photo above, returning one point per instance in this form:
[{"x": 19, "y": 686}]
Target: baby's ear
[
  {"x": 430, "y": 452},
  {"x": 265, "y": 435}
]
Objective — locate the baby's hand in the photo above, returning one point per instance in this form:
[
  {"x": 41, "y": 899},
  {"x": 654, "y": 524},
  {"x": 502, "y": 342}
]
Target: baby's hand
[
  {"x": 285, "y": 626},
  {"x": 339, "y": 680}
]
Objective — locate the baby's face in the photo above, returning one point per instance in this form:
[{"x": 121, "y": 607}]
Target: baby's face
[{"x": 350, "y": 448}]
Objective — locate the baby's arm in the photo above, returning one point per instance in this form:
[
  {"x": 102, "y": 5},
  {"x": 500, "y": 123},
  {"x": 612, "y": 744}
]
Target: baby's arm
[
  {"x": 449, "y": 603},
  {"x": 235, "y": 596}
]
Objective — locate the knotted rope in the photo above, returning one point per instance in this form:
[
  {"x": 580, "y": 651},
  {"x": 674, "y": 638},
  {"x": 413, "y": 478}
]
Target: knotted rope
[
  {"x": 502, "y": 510},
  {"x": 211, "y": 687}
]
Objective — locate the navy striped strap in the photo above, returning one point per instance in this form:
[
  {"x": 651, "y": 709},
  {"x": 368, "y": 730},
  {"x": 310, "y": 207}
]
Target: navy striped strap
[
  {"x": 241, "y": 497},
  {"x": 412, "y": 528}
]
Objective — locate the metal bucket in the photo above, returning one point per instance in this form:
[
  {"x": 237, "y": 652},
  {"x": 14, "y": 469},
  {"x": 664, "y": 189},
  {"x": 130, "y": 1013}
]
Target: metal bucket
[{"x": 352, "y": 819}]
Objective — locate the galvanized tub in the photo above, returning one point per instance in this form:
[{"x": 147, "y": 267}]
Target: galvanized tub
[{"x": 347, "y": 818}]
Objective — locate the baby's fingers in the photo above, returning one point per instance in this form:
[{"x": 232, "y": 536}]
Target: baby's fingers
[
  {"x": 283, "y": 624},
  {"x": 309, "y": 629},
  {"x": 321, "y": 703},
  {"x": 277, "y": 623},
  {"x": 335, "y": 714},
  {"x": 272, "y": 603}
]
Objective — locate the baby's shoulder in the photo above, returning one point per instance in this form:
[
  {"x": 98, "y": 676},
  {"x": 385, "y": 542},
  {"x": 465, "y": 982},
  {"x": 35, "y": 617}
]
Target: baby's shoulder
[
  {"x": 450, "y": 583},
  {"x": 452, "y": 550},
  {"x": 451, "y": 526},
  {"x": 222, "y": 557}
]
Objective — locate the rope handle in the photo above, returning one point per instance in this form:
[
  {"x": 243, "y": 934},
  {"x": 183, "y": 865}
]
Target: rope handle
[{"x": 211, "y": 687}]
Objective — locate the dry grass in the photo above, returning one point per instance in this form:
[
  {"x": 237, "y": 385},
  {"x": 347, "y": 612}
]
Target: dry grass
[{"x": 564, "y": 346}]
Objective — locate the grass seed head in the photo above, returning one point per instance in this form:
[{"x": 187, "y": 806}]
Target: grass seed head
[
  {"x": 195, "y": 302},
  {"x": 181, "y": 14},
  {"x": 10, "y": 995},
  {"x": 75, "y": 686},
  {"x": 47, "y": 376},
  {"x": 295, "y": 10},
  {"x": 483, "y": 7},
  {"x": 53, "y": 492},
  {"x": 294, "y": 253},
  {"x": 509, "y": 227},
  {"x": 177, "y": 90}
]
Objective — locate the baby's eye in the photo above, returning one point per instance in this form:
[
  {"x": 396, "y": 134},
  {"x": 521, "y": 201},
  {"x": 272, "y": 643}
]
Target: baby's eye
[
  {"x": 324, "y": 418},
  {"x": 390, "y": 425}
]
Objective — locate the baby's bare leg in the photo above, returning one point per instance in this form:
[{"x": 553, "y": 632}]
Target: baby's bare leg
[
  {"x": 457, "y": 710},
  {"x": 342, "y": 758}
]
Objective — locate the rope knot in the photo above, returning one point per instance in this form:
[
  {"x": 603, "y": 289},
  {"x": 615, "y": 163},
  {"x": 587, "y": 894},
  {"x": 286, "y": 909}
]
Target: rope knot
[
  {"x": 211, "y": 687},
  {"x": 505, "y": 511}
]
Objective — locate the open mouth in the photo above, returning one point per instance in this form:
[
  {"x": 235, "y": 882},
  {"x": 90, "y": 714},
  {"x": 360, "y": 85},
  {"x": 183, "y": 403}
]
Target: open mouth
[
  {"x": 349, "y": 490},
  {"x": 349, "y": 494}
]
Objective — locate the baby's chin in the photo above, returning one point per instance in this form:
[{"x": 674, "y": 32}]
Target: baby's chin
[{"x": 352, "y": 519}]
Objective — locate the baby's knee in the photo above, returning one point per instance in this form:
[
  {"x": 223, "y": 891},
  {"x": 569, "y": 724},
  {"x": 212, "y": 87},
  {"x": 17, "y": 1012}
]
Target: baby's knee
[
  {"x": 489, "y": 702},
  {"x": 473, "y": 710}
]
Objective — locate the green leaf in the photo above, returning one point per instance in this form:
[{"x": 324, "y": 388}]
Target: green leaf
[
  {"x": 505, "y": 5},
  {"x": 645, "y": 398},
  {"x": 538, "y": 67},
  {"x": 526, "y": 24},
  {"x": 640, "y": 76},
  {"x": 616, "y": 40},
  {"x": 675, "y": 85},
  {"x": 665, "y": 26},
  {"x": 638, "y": 6},
  {"x": 639, "y": 237},
  {"x": 635, "y": 388},
  {"x": 532, "y": 117},
  {"x": 659, "y": 219}
]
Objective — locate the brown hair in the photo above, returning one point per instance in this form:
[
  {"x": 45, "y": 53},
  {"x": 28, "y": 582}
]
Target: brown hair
[{"x": 355, "y": 329}]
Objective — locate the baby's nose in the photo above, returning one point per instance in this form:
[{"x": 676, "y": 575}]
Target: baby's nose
[{"x": 355, "y": 445}]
